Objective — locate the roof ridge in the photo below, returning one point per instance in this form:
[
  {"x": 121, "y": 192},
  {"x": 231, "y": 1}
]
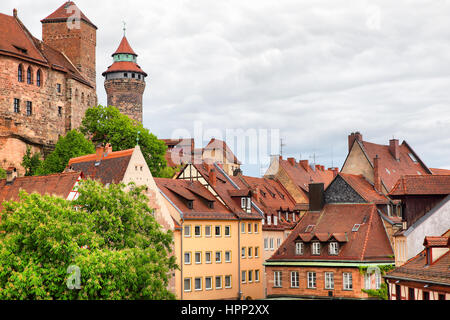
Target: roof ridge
[{"x": 366, "y": 240}]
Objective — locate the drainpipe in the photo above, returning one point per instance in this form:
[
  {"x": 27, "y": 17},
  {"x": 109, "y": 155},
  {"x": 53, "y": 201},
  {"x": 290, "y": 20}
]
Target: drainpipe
[
  {"x": 239, "y": 260},
  {"x": 182, "y": 257}
]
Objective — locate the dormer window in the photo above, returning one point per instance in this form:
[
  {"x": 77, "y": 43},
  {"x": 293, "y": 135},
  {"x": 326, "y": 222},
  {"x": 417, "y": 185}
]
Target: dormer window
[
  {"x": 190, "y": 204},
  {"x": 333, "y": 248},
  {"x": 269, "y": 220},
  {"x": 246, "y": 204},
  {"x": 316, "y": 248},
  {"x": 299, "y": 248}
]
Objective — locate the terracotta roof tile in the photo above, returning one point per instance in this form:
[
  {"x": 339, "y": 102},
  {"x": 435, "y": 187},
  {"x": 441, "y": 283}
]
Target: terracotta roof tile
[
  {"x": 124, "y": 47},
  {"x": 125, "y": 66},
  {"x": 422, "y": 185},
  {"x": 66, "y": 11},
  {"x": 364, "y": 188}
]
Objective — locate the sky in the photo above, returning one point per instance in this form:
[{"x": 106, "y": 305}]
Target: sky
[{"x": 307, "y": 72}]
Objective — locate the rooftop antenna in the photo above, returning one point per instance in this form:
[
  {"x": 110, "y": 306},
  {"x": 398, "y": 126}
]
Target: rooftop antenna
[
  {"x": 124, "y": 27},
  {"x": 281, "y": 146}
]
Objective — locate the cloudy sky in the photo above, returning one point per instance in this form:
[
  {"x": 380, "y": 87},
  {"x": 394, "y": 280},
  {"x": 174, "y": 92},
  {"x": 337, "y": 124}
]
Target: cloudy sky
[{"x": 313, "y": 71}]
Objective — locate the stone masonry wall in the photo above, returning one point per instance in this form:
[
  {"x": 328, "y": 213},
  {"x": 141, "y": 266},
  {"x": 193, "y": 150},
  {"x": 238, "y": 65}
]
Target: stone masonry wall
[{"x": 126, "y": 95}]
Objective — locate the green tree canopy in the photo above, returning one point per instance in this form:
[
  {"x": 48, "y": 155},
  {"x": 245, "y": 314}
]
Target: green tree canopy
[
  {"x": 108, "y": 125},
  {"x": 109, "y": 233},
  {"x": 72, "y": 145},
  {"x": 30, "y": 162}
]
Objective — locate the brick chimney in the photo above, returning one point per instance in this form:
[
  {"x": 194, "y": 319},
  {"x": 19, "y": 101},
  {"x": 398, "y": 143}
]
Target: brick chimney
[
  {"x": 318, "y": 167},
  {"x": 291, "y": 161},
  {"x": 212, "y": 177},
  {"x": 316, "y": 196},
  {"x": 98, "y": 152},
  {"x": 394, "y": 149},
  {"x": 304, "y": 164},
  {"x": 352, "y": 137},
  {"x": 256, "y": 193},
  {"x": 11, "y": 175},
  {"x": 15, "y": 13},
  {"x": 376, "y": 174}
]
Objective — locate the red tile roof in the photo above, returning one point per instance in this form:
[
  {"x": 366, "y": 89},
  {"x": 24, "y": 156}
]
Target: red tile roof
[
  {"x": 422, "y": 185},
  {"x": 111, "y": 169},
  {"x": 181, "y": 191},
  {"x": 68, "y": 10},
  {"x": 55, "y": 184},
  {"x": 303, "y": 175},
  {"x": 390, "y": 168},
  {"x": 368, "y": 243},
  {"x": 364, "y": 188},
  {"x": 125, "y": 66},
  {"x": 124, "y": 47},
  {"x": 436, "y": 241},
  {"x": 440, "y": 171}
]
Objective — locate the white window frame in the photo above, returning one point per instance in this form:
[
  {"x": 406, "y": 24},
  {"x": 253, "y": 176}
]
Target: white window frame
[
  {"x": 187, "y": 234},
  {"x": 278, "y": 242},
  {"x": 229, "y": 254},
  {"x": 271, "y": 243},
  {"x": 220, "y": 256},
  {"x": 199, "y": 228},
  {"x": 312, "y": 280},
  {"x": 225, "y": 228},
  {"x": 277, "y": 279},
  {"x": 188, "y": 253},
  {"x": 299, "y": 246},
  {"x": 256, "y": 275},
  {"x": 211, "y": 287},
  {"x": 210, "y": 257},
  {"x": 295, "y": 283},
  {"x": 208, "y": 235},
  {"x": 316, "y": 248},
  {"x": 333, "y": 248},
  {"x": 190, "y": 285},
  {"x": 244, "y": 276},
  {"x": 266, "y": 243},
  {"x": 329, "y": 280},
  {"x": 198, "y": 254},
  {"x": 347, "y": 281},
  {"x": 215, "y": 282},
  {"x": 195, "y": 284},
  {"x": 225, "y": 282}
]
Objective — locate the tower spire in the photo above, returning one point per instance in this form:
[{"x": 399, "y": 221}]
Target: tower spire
[{"x": 124, "y": 28}]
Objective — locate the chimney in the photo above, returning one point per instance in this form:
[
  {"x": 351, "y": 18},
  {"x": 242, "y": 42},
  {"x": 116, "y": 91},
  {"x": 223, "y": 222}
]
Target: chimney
[
  {"x": 15, "y": 13},
  {"x": 212, "y": 177},
  {"x": 256, "y": 193},
  {"x": 352, "y": 137},
  {"x": 11, "y": 175},
  {"x": 304, "y": 164},
  {"x": 394, "y": 149},
  {"x": 316, "y": 196},
  {"x": 317, "y": 167},
  {"x": 376, "y": 174},
  {"x": 291, "y": 161},
  {"x": 335, "y": 171},
  {"x": 108, "y": 149},
  {"x": 98, "y": 152}
]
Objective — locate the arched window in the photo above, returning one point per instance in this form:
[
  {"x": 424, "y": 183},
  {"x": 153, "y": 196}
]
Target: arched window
[
  {"x": 29, "y": 76},
  {"x": 82, "y": 97},
  {"x": 76, "y": 95},
  {"x": 38, "y": 78},
  {"x": 20, "y": 73}
]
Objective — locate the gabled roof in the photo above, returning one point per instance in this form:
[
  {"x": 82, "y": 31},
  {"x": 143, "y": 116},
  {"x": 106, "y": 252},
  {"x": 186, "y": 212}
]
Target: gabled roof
[
  {"x": 422, "y": 185},
  {"x": 336, "y": 221},
  {"x": 303, "y": 175},
  {"x": 364, "y": 188},
  {"x": 68, "y": 10},
  {"x": 124, "y": 47},
  {"x": 223, "y": 147},
  {"x": 111, "y": 168},
  {"x": 181, "y": 191},
  {"x": 60, "y": 184}
]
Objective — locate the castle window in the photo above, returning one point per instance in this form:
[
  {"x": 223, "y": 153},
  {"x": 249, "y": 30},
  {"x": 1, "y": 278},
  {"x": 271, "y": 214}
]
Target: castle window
[
  {"x": 38, "y": 78},
  {"x": 133, "y": 75},
  {"x": 82, "y": 97},
  {"x": 125, "y": 75},
  {"x": 29, "y": 76},
  {"x": 60, "y": 111},
  {"x": 16, "y": 105},
  {"x": 58, "y": 87},
  {"x": 20, "y": 73},
  {"x": 29, "y": 108}
]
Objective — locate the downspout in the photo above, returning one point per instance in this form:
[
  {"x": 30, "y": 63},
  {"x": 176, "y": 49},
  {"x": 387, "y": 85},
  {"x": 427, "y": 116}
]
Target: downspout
[{"x": 239, "y": 260}]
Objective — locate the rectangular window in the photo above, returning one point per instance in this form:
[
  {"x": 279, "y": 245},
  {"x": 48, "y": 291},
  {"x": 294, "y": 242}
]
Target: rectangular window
[
  {"x": 208, "y": 257},
  {"x": 218, "y": 256},
  {"x": 311, "y": 280},
  {"x": 218, "y": 231},
  {"x": 198, "y": 284},
  {"x": 278, "y": 242},
  {"x": 187, "y": 231},
  {"x": 227, "y": 231},
  {"x": 271, "y": 243},
  {"x": 250, "y": 252},
  {"x": 198, "y": 257},
  {"x": 207, "y": 231},
  {"x": 250, "y": 276},
  {"x": 377, "y": 280},
  {"x": 316, "y": 248},
  {"x": 266, "y": 243},
  {"x": 256, "y": 252},
  {"x": 58, "y": 87},
  {"x": 294, "y": 279},
  {"x": 426, "y": 295},
  {"x": 187, "y": 284},
  {"x": 367, "y": 283},
  {"x": 411, "y": 295},
  {"x": 60, "y": 111},
  {"x": 329, "y": 280},
  {"x": 299, "y": 248},
  {"x": 197, "y": 231},
  {"x": 277, "y": 279},
  {"x": 244, "y": 277},
  {"x": 249, "y": 230},
  {"x": 29, "y": 108},
  {"x": 208, "y": 283},
  {"x": 16, "y": 105},
  {"x": 347, "y": 281},
  {"x": 218, "y": 282},
  {"x": 334, "y": 248},
  {"x": 227, "y": 256},
  {"x": 243, "y": 252},
  {"x": 256, "y": 275},
  {"x": 187, "y": 258},
  {"x": 255, "y": 228},
  {"x": 227, "y": 282},
  {"x": 242, "y": 227}
]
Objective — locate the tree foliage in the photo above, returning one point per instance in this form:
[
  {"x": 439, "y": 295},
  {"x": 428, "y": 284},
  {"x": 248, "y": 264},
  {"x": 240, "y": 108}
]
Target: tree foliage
[
  {"x": 30, "y": 162},
  {"x": 108, "y": 125},
  {"x": 72, "y": 145},
  {"x": 109, "y": 233}
]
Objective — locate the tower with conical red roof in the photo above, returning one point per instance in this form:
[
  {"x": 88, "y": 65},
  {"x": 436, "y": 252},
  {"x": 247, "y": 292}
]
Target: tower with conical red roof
[{"x": 125, "y": 82}]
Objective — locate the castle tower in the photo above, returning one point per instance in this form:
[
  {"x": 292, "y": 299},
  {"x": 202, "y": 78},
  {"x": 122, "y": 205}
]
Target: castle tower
[
  {"x": 69, "y": 31},
  {"x": 125, "y": 82}
]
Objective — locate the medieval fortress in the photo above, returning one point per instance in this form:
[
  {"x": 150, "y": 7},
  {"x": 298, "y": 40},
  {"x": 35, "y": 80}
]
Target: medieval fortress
[{"x": 47, "y": 85}]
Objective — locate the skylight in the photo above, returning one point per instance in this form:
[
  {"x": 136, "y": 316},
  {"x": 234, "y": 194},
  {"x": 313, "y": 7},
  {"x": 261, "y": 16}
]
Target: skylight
[
  {"x": 309, "y": 228},
  {"x": 413, "y": 158},
  {"x": 356, "y": 227}
]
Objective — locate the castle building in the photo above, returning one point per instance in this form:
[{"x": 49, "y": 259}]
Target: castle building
[
  {"x": 46, "y": 85},
  {"x": 125, "y": 82}
]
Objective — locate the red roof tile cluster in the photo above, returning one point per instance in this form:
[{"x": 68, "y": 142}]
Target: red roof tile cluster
[
  {"x": 111, "y": 168},
  {"x": 302, "y": 173},
  {"x": 336, "y": 222},
  {"x": 364, "y": 188},
  {"x": 440, "y": 171},
  {"x": 436, "y": 241},
  {"x": 56, "y": 184},
  {"x": 125, "y": 66},
  {"x": 180, "y": 192},
  {"x": 124, "y": 47},
  {"x": 68, "y": 10},
  {"x": 422, "y": 185}
]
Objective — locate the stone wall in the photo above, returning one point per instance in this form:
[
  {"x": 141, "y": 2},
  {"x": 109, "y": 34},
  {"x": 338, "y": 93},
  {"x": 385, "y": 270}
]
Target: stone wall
[
  {"x": 126, "y": 95},
  {"x": 339, "y": 191}
]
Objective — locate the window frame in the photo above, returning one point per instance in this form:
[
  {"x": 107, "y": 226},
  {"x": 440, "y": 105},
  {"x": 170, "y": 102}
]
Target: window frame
[
  {"x": 329, "y": 279},
  {"x": 299, "y": 248},
  {"x": 311, "y": 278},
  {"x": 295, "y": 279},
  {"x": 315, "y": 248},
  {"x": 347, "y": 281},
  {"x": 277, "y": 279}
]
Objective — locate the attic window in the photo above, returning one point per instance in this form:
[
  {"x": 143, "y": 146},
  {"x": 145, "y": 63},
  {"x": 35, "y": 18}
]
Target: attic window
[
  {"x": 22, "y": 50},
  {"x": 190, "y": 204},
  {"x": 413, "y": 158},
  {"x": 211, "y": 204},
  {"x": 309, "y": 228},
  {"x": 356, "y": 227}
]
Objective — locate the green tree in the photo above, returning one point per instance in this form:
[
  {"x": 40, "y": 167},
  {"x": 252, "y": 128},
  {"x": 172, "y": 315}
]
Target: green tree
[
  {"x": 2, "y": 173},
  {"x": 72, "y": 145},
  {"x": 109, "y": 233},
  {"x": 31, "y": 163},
  {"x": 108, "y": 125}
]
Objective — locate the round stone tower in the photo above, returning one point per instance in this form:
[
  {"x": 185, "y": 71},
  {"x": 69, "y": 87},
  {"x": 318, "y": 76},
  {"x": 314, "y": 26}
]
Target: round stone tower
[{"x": 125, "y": 82}]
